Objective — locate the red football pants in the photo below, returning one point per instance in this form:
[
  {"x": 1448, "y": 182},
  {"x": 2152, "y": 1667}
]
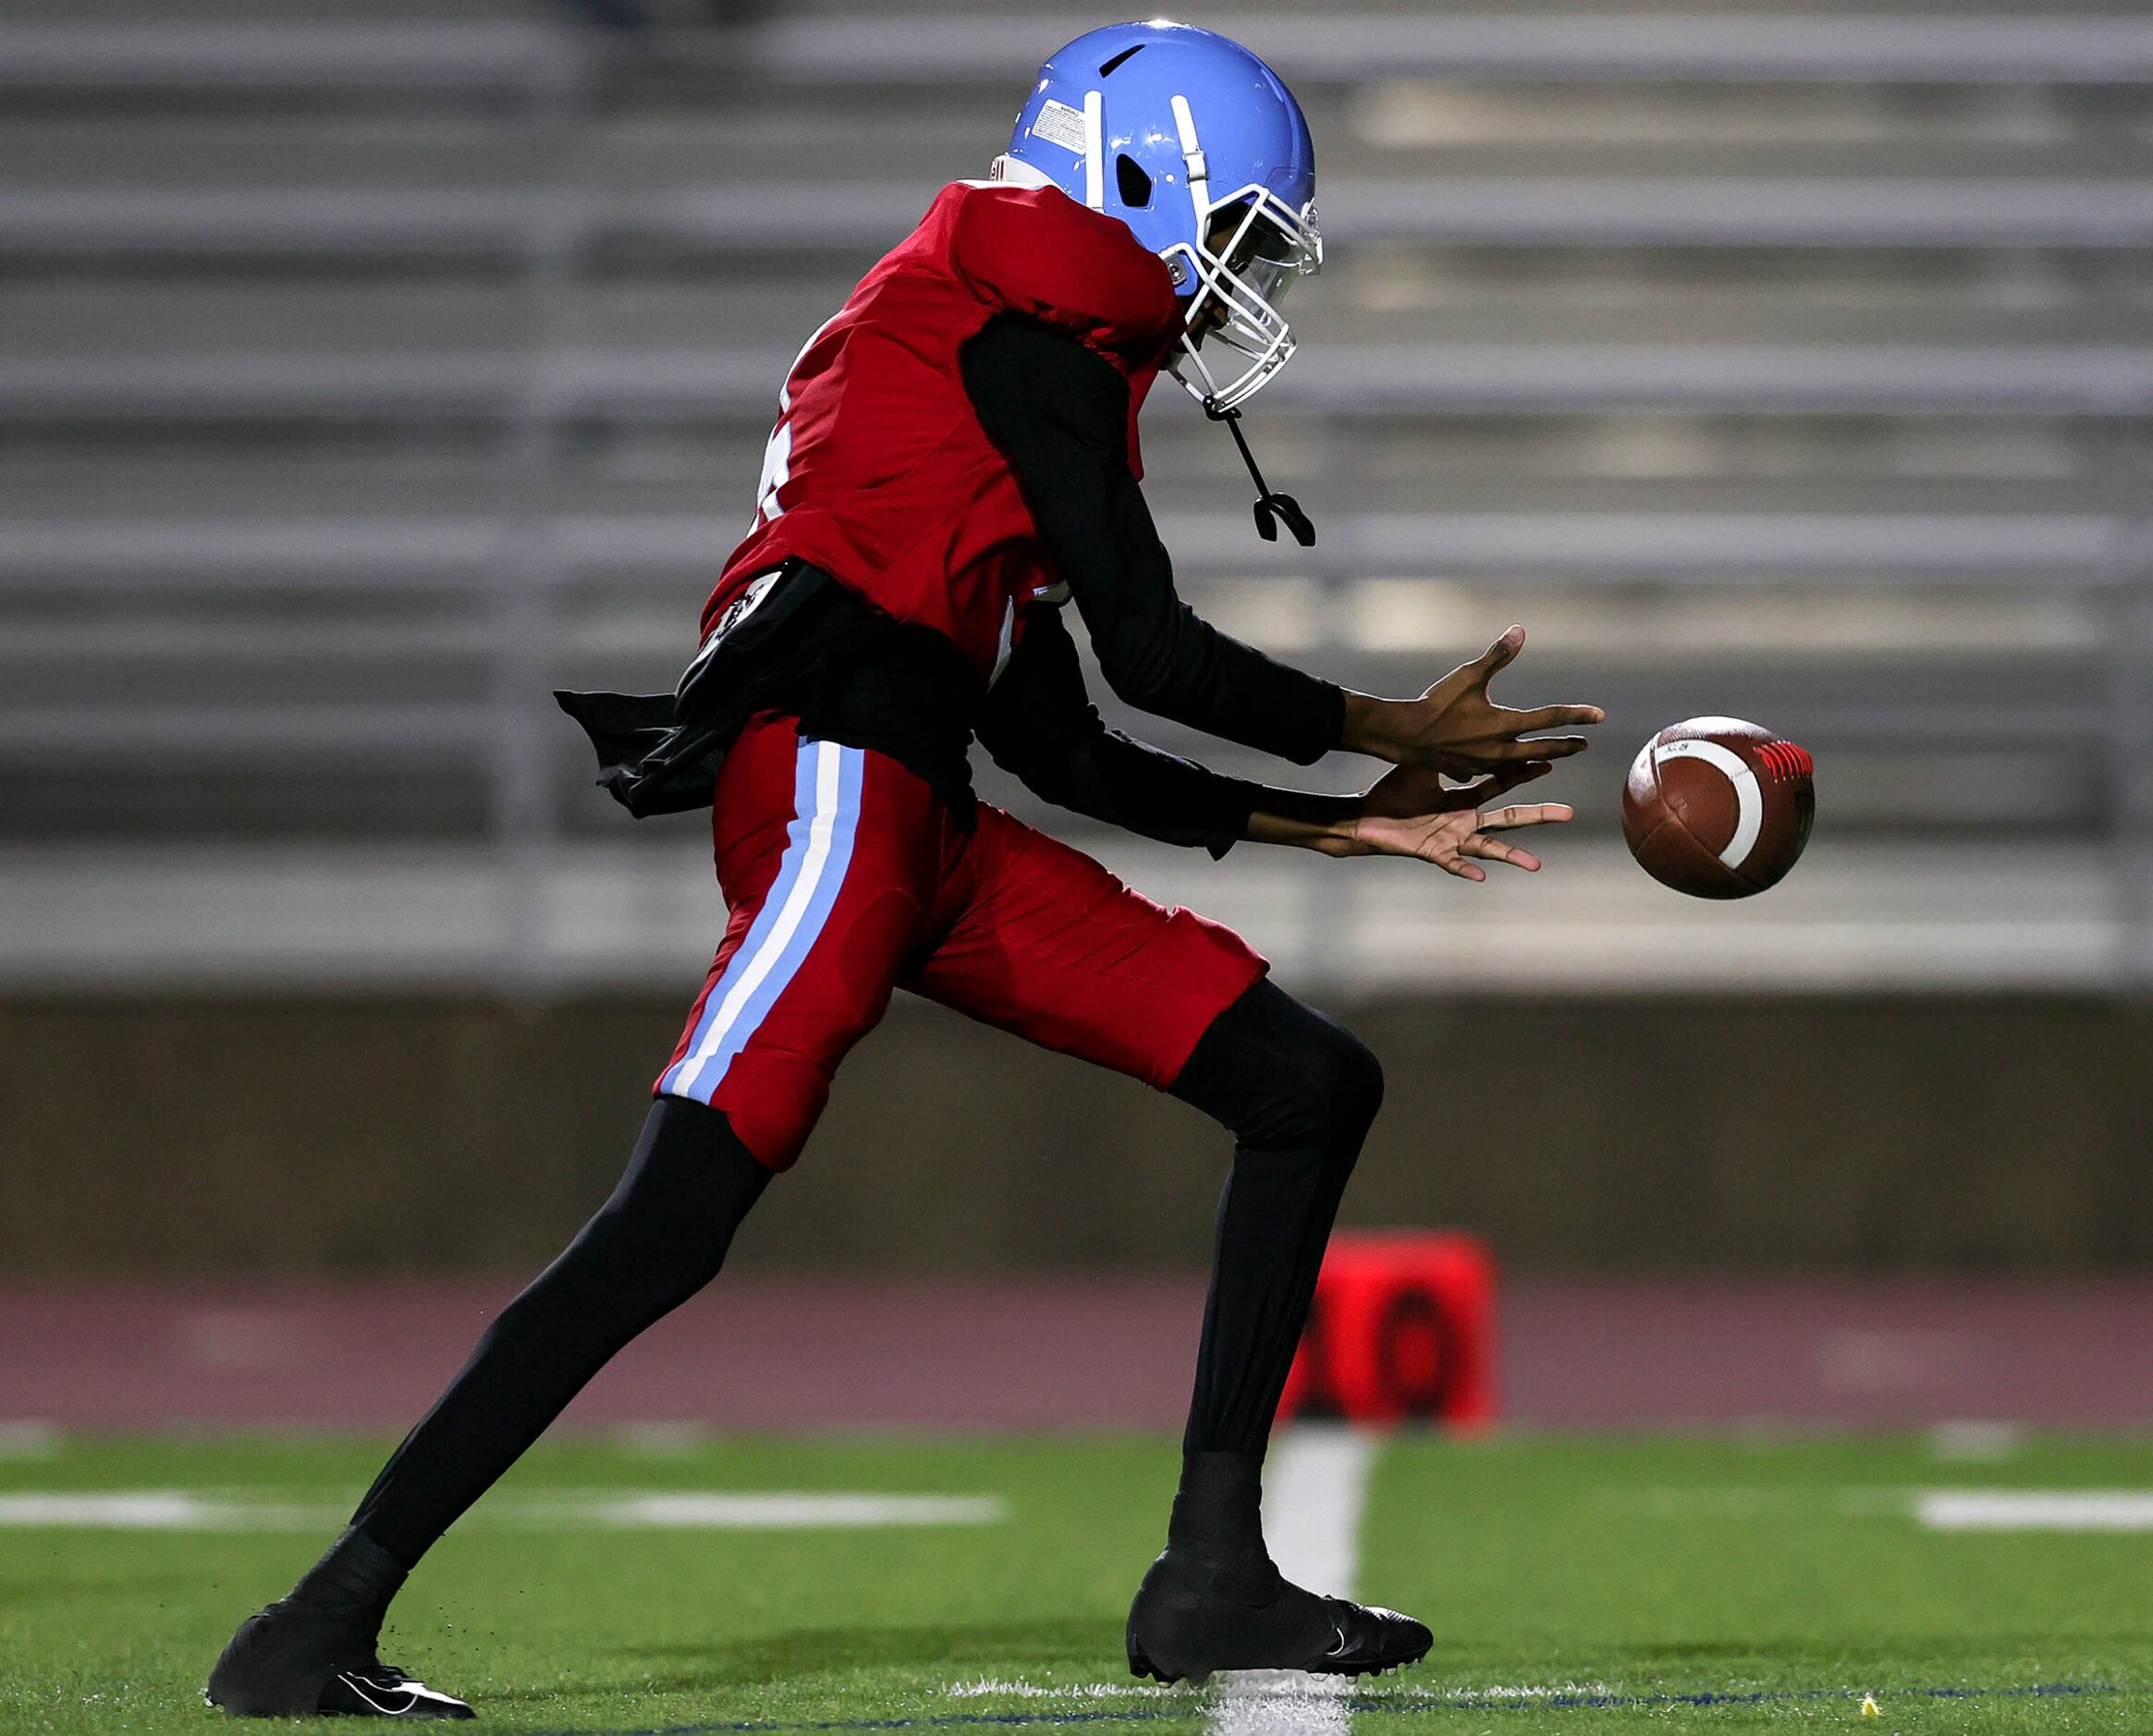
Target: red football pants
[{"x": 847, "y": 877}]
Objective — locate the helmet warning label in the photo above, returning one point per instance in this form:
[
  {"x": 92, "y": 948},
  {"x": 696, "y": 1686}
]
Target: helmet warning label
[{"x": 1060, "y": 124}]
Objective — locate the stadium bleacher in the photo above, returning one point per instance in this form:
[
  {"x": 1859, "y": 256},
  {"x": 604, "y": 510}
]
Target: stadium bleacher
[{"x": 366, "y": 371}]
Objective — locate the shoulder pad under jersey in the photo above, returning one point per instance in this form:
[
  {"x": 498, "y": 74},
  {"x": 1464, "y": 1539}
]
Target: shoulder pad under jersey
[{"x": 1034, "y": 251}]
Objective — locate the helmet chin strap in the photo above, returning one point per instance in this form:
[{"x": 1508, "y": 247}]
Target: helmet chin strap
[{"x": 1270, "y": 507}]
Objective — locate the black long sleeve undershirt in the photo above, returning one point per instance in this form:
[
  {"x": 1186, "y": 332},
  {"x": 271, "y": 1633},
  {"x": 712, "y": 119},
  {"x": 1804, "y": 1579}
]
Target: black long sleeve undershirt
[
  {"x": 1061, "y": 412},
  {"x": 1040, "y": 724}
]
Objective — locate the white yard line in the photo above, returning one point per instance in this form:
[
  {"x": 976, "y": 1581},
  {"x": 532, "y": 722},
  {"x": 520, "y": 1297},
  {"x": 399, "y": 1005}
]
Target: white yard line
[
  {"x": 657, "y": 1509},
  {"x": 163, "y": 1509},
  {"x": 696, "y": 1510},
  {"x": 1315, "y": 1488},
  {"x": 2035, "y": 1509},
  {"x": 1932, "y": 1509},
  {"x": 994, "y": 1688}
]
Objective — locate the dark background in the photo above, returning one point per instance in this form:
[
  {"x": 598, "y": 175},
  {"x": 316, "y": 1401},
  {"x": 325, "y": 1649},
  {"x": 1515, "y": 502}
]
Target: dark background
[{"x": 1679, "y": 1134}]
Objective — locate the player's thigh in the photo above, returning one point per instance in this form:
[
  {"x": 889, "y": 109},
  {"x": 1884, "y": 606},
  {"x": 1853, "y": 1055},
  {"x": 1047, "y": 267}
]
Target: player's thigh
[
  {"x": 829, "y": 857},
  {"x": 1052, "y": 946}
]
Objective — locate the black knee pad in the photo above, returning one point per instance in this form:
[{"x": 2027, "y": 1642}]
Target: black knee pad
[
  {"x": 1345, "y": 1081},
  {"x": 1278, "y": 1072}
]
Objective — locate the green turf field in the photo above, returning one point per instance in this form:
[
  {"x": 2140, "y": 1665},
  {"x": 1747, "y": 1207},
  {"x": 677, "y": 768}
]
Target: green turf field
[{"x": 1588, "y": 1585}]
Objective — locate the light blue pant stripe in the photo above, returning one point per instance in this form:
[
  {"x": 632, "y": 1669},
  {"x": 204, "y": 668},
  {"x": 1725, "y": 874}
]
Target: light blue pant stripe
[
  {"x": 818, "y": 850},
  {"x": 759, "y": 931}
]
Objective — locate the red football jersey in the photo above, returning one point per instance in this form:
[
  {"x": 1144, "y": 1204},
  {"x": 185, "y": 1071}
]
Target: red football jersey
[{"x": 878, "y": 470}]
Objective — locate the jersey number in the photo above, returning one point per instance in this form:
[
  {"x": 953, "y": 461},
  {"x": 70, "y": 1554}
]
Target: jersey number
[
  {"x": 777, "y": 470},
  {"x": 777, "y": 455}
]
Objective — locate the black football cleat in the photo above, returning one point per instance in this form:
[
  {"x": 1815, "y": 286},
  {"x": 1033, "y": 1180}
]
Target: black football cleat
[
  {"x": 293, "y": 1661},
  {"x": 1187, "y": 1622}
]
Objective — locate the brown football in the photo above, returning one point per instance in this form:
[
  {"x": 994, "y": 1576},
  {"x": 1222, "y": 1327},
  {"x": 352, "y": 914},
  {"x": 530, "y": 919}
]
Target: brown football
[{"x": 1719, "y": 808}]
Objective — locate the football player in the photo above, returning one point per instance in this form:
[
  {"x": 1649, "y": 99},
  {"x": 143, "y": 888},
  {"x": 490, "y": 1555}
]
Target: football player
[{"x": 954, "y": 470}]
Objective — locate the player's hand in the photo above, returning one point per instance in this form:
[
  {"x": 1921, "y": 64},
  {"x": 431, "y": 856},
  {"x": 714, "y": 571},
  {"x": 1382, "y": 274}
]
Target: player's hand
[
  {"x": 1456, "y": 727},
  {"x": 1410, "y": 813}
]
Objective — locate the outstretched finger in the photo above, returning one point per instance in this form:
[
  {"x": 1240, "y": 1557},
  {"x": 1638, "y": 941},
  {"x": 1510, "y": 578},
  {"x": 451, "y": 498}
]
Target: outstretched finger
[
  {"x": 1558, "y": 717},
  {"x": 1454, "y": 863},
  {"x": 1495, "y": 850},
  {"x": 1538, "y": 748},
  {"x": 1526, "y": 814}
]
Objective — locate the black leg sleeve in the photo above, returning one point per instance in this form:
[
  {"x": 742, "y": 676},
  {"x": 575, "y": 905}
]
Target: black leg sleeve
[
  {"x": 1299, "y": 1093},
  {"x": 658, "y": 1240}
]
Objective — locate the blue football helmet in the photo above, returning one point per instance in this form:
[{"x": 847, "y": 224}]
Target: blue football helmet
[{"x": 1197, "y": 146}]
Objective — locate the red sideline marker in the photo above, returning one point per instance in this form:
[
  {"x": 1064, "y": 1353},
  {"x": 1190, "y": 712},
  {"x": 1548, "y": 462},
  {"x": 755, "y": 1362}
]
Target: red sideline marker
[{"x": 1402, "y": 1330}]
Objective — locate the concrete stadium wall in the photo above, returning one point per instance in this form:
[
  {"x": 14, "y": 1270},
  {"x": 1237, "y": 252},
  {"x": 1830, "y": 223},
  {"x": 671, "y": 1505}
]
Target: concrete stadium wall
[{"x": 357, "y": 1136}]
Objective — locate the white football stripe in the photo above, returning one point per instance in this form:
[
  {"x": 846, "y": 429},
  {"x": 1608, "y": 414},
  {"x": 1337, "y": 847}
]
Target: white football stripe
[{"x": 1749, "y": 799}]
